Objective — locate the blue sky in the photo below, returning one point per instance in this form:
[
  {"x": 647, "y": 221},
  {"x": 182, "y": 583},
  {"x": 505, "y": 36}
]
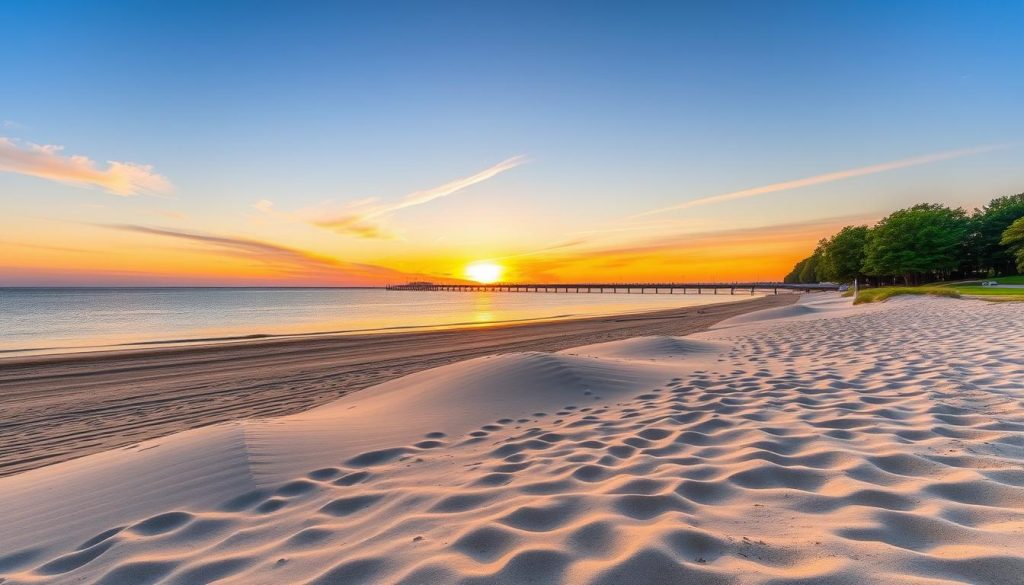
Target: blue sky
[{"x": 617, "y": 109}]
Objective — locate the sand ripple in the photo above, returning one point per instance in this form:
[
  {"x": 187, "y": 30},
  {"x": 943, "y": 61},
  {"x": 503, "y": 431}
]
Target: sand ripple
[{"x": 811, "y": 444}]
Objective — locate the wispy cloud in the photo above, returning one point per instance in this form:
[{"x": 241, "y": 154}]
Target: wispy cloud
[
  {"x": 364, "y": 219},
  {"x": 827, "y": 178},
  {"x": 264, "y": 205},
  {"x": 46, "y": 161},
  {"x": 289, "y": 261}
]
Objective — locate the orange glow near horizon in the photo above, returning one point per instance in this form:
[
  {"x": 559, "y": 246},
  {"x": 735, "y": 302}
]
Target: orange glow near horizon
[
  {"x": 167, "y": 258},
  {"x": 437, "y": 231}
]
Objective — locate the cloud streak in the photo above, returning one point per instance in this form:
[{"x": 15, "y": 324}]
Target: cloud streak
[
  {"x": 46, "y": 162},
  {"x": 826, "y": 178},
  {"x": 364, "y": 219},
  {"x": 290, "y": 261}
]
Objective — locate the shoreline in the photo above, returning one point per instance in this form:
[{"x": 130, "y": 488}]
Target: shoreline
[
  {"x": 160, "y": 344},
  {"x": 64, "y": 406},
  {"x": 186, "y": 338}
]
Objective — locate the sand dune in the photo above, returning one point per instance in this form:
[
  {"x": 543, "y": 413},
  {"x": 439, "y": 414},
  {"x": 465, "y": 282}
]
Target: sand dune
[
  {"x": 819, "y": 443},
  {"x": 651, "y": 348},
  {"x": 809, "y": 308}
]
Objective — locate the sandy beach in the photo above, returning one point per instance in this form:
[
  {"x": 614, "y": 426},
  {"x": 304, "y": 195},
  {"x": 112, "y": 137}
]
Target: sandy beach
[
  {"x": 810, "y": 443},
  {"x": 65, "y": 406},
  {"x": 338, "y": 293}
]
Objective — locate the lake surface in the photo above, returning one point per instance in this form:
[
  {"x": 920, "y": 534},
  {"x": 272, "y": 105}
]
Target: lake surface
[{"x": 57, "y": 320}]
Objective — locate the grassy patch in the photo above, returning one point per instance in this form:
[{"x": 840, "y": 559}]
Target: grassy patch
[
  {"x": 1018, "y": 279},
  {"x": 974, "y": 288},
  {"x": 988, "y": 291},
  {"x": 875, "y": 295},
  {"x": 1001, "y": 299}
]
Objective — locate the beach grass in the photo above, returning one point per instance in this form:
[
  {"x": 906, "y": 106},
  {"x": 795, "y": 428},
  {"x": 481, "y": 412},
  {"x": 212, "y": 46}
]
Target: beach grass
[
  {"x": 876, "y": 295},
  {"x": 948, "y": 289}
]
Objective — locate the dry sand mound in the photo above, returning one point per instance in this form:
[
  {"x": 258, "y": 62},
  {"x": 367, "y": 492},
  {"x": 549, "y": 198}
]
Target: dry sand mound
[
  {"x": 860, "y": 446},
  {"x": 808, "y": 307},
  {"x": 651, "y": 348}
]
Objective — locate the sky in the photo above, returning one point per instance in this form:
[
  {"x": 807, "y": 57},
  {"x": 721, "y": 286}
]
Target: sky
[{"x": 351, "y": 143}]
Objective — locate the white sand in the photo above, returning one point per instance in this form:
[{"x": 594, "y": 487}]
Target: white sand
[{"x": 817, "y": 443}]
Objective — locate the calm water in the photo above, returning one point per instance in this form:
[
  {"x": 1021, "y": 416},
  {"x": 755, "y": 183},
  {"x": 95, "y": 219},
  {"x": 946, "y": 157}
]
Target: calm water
[{"x": 54, "y": 320}]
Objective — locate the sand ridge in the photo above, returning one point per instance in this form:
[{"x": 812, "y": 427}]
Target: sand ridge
[{"x": 830, "y": 444}]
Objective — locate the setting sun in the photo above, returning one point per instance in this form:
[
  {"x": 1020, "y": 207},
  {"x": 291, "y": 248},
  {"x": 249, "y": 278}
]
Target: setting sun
[{"x": 484, "y": 272}]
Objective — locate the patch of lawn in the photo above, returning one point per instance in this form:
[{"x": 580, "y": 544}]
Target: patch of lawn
[
  {"x": 974, "y": 288},
  {"x": 987, "y": 291},
  {"x": 876, "y": 295},
  {"x": 1018, "y": 279}
]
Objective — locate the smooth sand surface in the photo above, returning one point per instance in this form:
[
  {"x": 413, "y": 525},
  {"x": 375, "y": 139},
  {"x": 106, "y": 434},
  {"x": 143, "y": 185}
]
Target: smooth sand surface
[
  {"x": 56, "y": 408},
  {"x": 823, "y": 444}
]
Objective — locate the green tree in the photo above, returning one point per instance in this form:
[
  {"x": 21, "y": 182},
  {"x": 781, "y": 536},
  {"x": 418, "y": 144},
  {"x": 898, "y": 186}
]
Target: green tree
[
  {"x": 809, "y": 272},
  {"x": 794, "y": 275},
  {"x": 922, "y": 241},
  {"x": 1013, "y": 238},
  {"x": 984, "y": 249},
  {"x": 801, "y": 268},
  {"x": 842, "y": 255}
]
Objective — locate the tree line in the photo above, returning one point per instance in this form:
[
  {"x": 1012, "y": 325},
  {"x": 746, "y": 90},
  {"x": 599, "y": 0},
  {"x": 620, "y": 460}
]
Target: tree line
[{"x": 925, "y": 243}]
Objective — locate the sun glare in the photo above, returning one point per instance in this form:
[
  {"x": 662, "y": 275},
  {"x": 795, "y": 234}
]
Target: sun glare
[{"x": 484, "y": 272}]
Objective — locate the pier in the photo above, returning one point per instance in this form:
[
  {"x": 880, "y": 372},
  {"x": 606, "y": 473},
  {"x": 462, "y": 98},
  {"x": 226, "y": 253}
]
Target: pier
[{"x": 699, "y": 288}]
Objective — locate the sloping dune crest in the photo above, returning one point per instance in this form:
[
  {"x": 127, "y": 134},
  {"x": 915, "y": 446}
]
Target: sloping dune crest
[
  {"x": 840, "y": 445},
  {"x": 651, "y": 348},
  {"x": 808, "y": 307}
]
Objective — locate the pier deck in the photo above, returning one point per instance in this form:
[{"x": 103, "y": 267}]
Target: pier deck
[{"x": 622, "y": 288}]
